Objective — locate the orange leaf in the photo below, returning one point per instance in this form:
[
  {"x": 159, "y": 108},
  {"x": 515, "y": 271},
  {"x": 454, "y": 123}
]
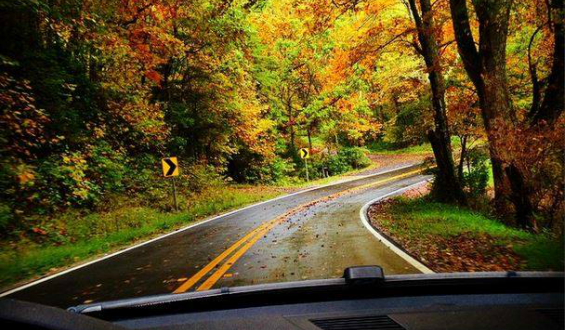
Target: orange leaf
[{"x": 154, "y": 76}]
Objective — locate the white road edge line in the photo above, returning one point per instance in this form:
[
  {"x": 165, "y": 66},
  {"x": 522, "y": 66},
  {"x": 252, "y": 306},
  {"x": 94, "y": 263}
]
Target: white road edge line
[
  {"x": 47, "y": 278},
  {"x": 363, "y": 214}
]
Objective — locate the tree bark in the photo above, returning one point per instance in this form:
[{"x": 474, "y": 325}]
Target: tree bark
[
  {"x": 493, "y": 18},
  {"x": 449, "y": 185}
]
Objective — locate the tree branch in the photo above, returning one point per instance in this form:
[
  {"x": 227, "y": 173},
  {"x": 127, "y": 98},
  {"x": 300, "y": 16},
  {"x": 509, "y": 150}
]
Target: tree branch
[
  {"x": 552, "y": 105},
  {"x": 536, "y": 87},
  {"x": 465, "y": 42}
]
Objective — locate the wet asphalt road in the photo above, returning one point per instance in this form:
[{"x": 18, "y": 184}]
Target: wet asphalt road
[{"x": 318, "y": 241}]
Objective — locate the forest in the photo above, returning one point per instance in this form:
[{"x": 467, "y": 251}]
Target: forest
[{"x": 93, "y": 93}]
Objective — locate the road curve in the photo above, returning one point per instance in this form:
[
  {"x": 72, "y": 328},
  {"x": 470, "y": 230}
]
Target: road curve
[{"x": 312, "y": 234}]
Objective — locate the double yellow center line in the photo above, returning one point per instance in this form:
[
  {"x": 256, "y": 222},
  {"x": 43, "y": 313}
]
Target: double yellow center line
[{"x": 247, "y": 241}]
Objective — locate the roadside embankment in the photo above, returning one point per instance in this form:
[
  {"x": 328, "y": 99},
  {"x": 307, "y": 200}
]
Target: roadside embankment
[{"x": 447, "y": 238}]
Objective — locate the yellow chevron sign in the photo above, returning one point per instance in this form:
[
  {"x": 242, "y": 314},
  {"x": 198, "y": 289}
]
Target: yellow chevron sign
[
  {"x": 304, "y": 153},
  {"x": 170, "y": 166}
]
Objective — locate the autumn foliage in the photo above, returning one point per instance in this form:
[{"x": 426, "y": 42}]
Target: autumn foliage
[{"x": 93, "y": 93}]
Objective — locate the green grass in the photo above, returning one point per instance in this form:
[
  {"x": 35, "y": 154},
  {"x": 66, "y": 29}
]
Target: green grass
[
  {"x": 416, "y": 217},
  {"x": 391, "y": 149},
  {"x": 542, "y": 253},
  {"x": 387, "y": 148},
  {"x": 97, "y": 233}
]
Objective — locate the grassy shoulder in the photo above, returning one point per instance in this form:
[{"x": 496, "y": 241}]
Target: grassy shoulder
[
  {"x": 451, "y": 239},
  {"x": 389, "y": 149}
]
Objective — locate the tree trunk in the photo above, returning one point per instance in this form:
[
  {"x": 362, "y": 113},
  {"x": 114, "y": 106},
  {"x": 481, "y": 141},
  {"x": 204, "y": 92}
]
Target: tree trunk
[
  {"x": 519, "y": 195},
  {"x": 291, "y": 128},
  {"x": 486, "y": 68},
  {"x": 495, "y": 106},
  {"x": 448, "y": 188},
  {"x": 463, "y": 140},
  {"x": 449, "y": 185},
  {"x": 495, "y": 101}
]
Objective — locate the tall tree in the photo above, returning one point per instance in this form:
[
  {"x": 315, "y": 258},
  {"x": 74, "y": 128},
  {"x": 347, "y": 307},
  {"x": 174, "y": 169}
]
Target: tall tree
[
  {"x": 486, "y": 67},
  {"x": 449, "y": 186}
]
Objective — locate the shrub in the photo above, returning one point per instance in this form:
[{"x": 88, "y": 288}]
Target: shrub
[
  {"x": 337, "y": 165},
  {"x": 280, "y": 168},
  {"x": 475, "y": 179},
  {"x": 197, "y": 177},
  {"x": 63, "y": 181},
  {"x": 107, "y": 168},
  {"x": 347, "y": 159},
  {"x": 356, "y": 157},
  {"x": 80, "y": 178},
  {"x": 143, "y": 173}
]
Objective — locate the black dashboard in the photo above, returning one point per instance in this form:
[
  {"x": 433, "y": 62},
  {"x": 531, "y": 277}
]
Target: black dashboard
[{"x": 362, "y": 299}]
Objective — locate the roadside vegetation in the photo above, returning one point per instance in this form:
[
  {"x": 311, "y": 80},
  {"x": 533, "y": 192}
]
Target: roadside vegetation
[
  {"x": 448, "y": 238},
  {"x": 387, "y": 149}
]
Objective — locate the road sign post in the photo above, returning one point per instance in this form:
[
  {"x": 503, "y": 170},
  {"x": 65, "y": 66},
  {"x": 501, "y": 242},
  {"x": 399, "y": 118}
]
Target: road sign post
[
  {"x": 305, "y": 154},
  {"x": 175, "y": 195},
  {"x": 170, "y": 167}
]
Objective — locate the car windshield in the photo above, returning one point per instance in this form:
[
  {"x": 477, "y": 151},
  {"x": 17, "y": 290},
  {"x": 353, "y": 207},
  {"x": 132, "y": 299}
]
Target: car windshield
[{"x": 162, "y": 146}]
